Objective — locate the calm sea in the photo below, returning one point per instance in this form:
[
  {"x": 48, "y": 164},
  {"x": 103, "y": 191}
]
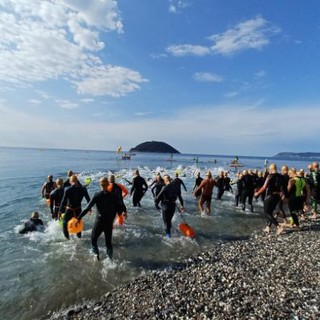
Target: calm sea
[{"x": 42, "y": 272}]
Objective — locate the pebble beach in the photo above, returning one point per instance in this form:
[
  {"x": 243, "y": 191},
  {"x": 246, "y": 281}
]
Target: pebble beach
[{"x": 265, "y": 277}]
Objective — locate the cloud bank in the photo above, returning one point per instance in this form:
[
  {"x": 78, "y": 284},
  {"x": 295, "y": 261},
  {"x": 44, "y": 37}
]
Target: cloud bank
[{"x": 49, "y": 40}]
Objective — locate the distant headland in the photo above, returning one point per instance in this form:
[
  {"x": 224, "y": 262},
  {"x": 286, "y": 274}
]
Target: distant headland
[
  {"x": 298, "y": 155},
  {"x": 155, "y": 147}
]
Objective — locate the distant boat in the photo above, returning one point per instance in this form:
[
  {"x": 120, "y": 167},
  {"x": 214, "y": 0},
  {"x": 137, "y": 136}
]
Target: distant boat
[
  {"x": 236, "y": 164},
  {"x": 126, "y": 156}
]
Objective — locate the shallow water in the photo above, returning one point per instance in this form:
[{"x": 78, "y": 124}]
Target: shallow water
[{"x": 42, "y": 272}]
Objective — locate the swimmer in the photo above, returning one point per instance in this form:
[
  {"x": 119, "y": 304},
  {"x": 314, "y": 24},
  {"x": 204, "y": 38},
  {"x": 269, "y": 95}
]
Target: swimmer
[
  {"x": 108, "y": 204},
  {"x": 55, "y": 199},
  {"x": 138, "y": 189},
  {"x": 33, "y": 224},
  {"x": 48, "y": 187},
  {"x": 178, "y": 183}
]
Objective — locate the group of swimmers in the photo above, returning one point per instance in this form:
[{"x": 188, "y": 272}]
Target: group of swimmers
[{"x": 296, "y": 188}]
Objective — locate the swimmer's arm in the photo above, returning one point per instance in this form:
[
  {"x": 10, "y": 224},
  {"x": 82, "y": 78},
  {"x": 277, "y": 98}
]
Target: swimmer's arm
[{"x": 87, "y": 208}]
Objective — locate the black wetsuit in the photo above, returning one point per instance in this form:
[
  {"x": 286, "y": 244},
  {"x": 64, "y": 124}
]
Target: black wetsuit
[
  {"x": 156, "y": 187},
  {"x": 177, "y": 182},
  {"x": 71, "y": 205},
  {"x": 167, "y": 197},
  {"x": 286, "y": 179},
  {"x": 248, "y": 186},
  {"x": 227, "y": 184},
  {"x": 48, "y": 188},
  {"x": 237, "y": 196},
  {"x": 220, "y": 186},
  {"x": 314, "y": 183},
  {"x": 275, "y": 188},
  {"x": 56, "y": 197},
  {"x": 196, "y": 185},
  {"x": 138, "y": 189},
  {"x": 295, "y": 201},
  {"x": 32, "y": 225},
  {"x": 108, "y": 205},
  {"x": 259, "y": 183}
]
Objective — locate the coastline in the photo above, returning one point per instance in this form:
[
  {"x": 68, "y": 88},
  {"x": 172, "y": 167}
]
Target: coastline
[{"x": 265, "y": 277}]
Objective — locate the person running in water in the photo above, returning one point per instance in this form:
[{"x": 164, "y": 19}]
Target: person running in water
[
  {"x": 238, "y": 182},
  {"x": 167, "y": 197},
  {"x": 275, "y": 190},
  {"x": 177, "y": 182},
  {"x": 138, "y": 189},
  {"x": 227, "y": 182},
  {"x": 71, "y": 203},
  {"x": 47, "y": 187},
  {"x": 108, "y": 204},
  {"x": 55, "y": 199},
  {"x": 206, "y": 187},
  {"x": 156, "y": 185},
  {"x": 220, "y": 185},
  {"x": 33, "y": 224},
  {"x": 248, "y": 187},
  {"x": 298, "y": 195},
  {"x": 197, "y": 184}
]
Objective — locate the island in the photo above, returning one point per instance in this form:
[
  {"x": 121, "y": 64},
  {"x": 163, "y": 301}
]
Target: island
[
  {"x": 154, "y": 147},
  {"x": 298, "y": 156}
]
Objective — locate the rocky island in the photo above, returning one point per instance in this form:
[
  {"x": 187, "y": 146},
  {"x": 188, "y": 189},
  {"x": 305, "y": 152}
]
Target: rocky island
[{"x": 154, "y": 147}]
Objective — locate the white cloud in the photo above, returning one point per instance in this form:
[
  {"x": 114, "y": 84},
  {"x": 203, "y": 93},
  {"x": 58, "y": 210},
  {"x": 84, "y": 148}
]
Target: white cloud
[
  {"x": 44, "y": 40},
  {"x": 111, "y": 80},
  {"x": 231, "y": 94},
  {"x": 35, "y": 101},
  {"x": 207, "y": 77},
  {"x": 87, "y": 100},
  {"x": 188, "y": 49},
  {"x": 175, "y": 6},
  {"x": 67, "y": 104},
  {"x": 245, "y": 129},
  {"x": 143, "y": 114},
  {"x": 260, "y": 74},
  {"x": 251, "y": 34}
]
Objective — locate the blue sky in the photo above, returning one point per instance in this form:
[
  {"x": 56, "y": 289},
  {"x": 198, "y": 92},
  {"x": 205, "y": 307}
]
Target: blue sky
[{"x": 206, "y": 76}]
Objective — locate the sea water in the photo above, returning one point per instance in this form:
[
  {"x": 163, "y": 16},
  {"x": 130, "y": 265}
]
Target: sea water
[{"x": 43, "y": 272}]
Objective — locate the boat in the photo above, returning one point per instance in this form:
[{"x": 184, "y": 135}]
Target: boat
[
  {"x": 126, "y": 156},
  {"x": 236, "y": 164}
]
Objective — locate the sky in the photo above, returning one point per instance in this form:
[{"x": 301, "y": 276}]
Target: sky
[{"x": 206, "y": 76}]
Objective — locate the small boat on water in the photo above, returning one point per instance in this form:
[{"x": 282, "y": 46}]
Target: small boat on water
[
  {"x": 126, "y": 156},
  {"x": 235, "y": 163}
]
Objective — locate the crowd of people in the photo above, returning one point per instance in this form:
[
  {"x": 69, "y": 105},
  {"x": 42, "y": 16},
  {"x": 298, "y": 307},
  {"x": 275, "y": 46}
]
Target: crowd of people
[{"x": 297, "y": 190}]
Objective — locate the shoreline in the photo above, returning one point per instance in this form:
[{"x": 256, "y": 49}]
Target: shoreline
[{"x": 265, "y": 277}]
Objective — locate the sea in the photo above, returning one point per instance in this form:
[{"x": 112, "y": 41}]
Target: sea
[{"x": 42, "y": 272}]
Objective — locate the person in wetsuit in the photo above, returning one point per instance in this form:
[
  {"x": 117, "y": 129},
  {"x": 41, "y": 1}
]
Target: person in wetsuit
[
  {"x": 47, "y": 187},
  {"x": 314, "y": 182},
  {"x": 67, "y": 181},
  {"x": 298, "y": 194},
  {"x": 220, "y": 185},
  {"x": 286, "y": 178},
  {"x": 108, "y": 204},
  {"x": 55, "y": 199},
  {"x": 227, "y": 183},
  {"x": 259, "y": 183},
  {"x": 238, "y": 182},
  {"x": 178, "y": 183},
  {"x": 248, "y": 187},
  {"x": 275, "y": 190},
  {"x": 206, "y": 187},
  {"x": 138, "y": 189},
  {"x": 33, "y": 224},
  {"x": 156, "y": 185},
  {"x": 71, "y": 203},
  {"x": 197, "y": 183},
  {"x": 167, "y": 197}
]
